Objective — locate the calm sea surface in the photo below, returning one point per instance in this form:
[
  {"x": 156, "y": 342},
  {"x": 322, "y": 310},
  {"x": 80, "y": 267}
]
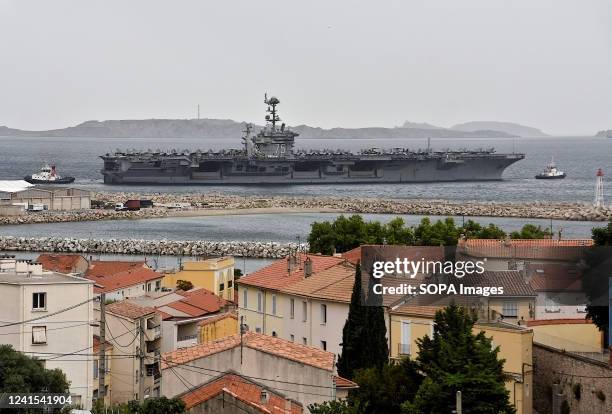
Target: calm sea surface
[{"x": 579, "y": 157}]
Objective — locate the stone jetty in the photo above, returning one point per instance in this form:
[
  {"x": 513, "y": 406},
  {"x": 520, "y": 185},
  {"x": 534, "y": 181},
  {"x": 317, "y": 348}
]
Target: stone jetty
[
  {"x": 266, "y": 250},
  {"x": 207, "y": 203}
]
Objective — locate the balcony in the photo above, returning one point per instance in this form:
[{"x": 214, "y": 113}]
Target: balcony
[
  {"x": 403, "y": 349},
  {"x": 187, "y": 341}
]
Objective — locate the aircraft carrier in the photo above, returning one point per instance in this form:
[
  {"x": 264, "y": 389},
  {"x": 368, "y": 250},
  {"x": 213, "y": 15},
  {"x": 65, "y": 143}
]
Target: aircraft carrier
[{"x": 269, "y": 157}]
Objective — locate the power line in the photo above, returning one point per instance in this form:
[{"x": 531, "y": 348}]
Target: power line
[
  {"x": 49, "y": 329},
  {"x": 48, "y": 315}
]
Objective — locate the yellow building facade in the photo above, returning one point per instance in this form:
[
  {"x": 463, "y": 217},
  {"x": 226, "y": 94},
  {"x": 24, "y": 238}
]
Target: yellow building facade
[
  {"x": 217, "y": 327},
  {"x": 408, "y": 324},
  {"x": 216, "y": 275}
]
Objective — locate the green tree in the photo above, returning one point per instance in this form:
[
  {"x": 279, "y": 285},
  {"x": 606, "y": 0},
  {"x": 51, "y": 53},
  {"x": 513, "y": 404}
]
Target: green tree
[
  {"x": 331, "y": 407},
  {"x": 456, "y": 359},
  {"x": 24, "y": 374},
  {"x": 384, "y": 390},
  {"x": 322, "y": 238},
  {"x": 160, "y": 405},
  {"x": 531, "y": 231},
  {"x": 184, "y": 285},
  {"x": 602, "y": 236},
  {"x": 595, "y": 280},
  {"x": 441, "y": 233},
  {"x": 237, "y": 274},
  {"x": 395, "y": 232},
  {"x": 364, "y": 342}
]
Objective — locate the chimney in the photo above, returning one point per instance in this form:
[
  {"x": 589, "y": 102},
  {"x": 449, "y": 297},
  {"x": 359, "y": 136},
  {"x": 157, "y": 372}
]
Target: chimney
[{"x": 307, "y": 267}]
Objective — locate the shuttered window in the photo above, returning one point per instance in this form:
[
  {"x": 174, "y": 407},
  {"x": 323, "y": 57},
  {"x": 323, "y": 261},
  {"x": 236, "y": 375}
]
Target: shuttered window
[{"x": 39, "y": 334}]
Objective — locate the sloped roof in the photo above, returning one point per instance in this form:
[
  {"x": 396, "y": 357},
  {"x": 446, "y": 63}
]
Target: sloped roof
[
  {"x": 111, "y": 267},
  {"x": 353, "y": 256},
  {"x": 194, "y": 303},
  {"x": 512, "y": 281},
  {"x": 128, "y": 309},
  {"x": 219, "y": 317},
  {"x": 344, "y": 383},
  {"x": 280, "y": 347},
  {"x": 61, "y": 263},
  {"x": 334, "y": 283},
  {"x": 96, "y": 344},
  {"x": 545, "y": 249},
  {"x": 14, "y": 186},
  {"x": 275, "y": 275},
  {"x": 114, "y": 275},
  {"x": 244, "y": 390}
]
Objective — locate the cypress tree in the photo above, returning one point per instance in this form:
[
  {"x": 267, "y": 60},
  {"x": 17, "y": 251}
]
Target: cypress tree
[{"x": 364, "y": 342}]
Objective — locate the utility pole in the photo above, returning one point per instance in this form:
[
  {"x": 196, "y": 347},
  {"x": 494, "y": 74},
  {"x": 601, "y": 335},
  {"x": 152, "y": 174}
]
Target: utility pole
[
  {"x": 458, "y": 403},
  {"x": 102, "y": 350},
  {"x": 141, "y": 357}
]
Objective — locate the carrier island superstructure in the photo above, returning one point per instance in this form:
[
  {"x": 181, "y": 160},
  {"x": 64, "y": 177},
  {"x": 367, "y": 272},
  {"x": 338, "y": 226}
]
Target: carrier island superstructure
[{"x": 269, "y": 157}]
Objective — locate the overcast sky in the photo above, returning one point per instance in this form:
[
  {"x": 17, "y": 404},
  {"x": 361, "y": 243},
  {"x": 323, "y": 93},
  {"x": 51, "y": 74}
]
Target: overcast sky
[{"x": 544, "y": 63}]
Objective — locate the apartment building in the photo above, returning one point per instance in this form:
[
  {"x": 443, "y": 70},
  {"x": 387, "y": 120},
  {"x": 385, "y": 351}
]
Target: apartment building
[
  {"x": 215, "y": 274},
  {"x": 127, "y": 327},
  {"x": 49, "y": 316},
  {"x": 123, "y": 279}
]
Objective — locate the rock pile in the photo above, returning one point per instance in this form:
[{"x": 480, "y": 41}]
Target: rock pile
[{"x": 151, "y": 247}]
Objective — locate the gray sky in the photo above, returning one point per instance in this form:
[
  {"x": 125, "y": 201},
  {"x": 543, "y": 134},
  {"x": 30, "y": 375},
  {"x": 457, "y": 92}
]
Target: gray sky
[{"x": 544, "y": 63}]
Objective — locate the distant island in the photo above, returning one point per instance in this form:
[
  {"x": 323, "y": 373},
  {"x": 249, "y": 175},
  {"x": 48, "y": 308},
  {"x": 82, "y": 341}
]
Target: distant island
[
  {"x": 606, "y": 133},
  {"x": 507, "y": 127},
  {"x": 226, "y": 128}
]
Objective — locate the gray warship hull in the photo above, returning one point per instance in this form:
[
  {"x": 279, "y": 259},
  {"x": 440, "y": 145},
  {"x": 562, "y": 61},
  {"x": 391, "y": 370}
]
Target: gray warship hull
[
  {"x": 269, "y": 158},
  {"x": 233, "y": 171}
]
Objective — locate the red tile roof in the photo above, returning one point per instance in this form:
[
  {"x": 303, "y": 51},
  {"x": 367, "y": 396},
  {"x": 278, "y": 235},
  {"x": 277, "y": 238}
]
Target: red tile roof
[
  {"x": 280, "y": 347},
  {"x": 96, "y": 344},
  {"x": 114, "y": 275},
  {"x": 344, "y": 383},
  {"x": 275, "y": 275},
  {"x": 546, "y": 249},
  {"x": 61, "y": 263},
  {"x": 244, "y": 390},
  {"x": 512, "y": 281},
  {"x": 334, "y": 283},
  {"x": 353, "y": 256},
  {"x": 129, "y": 310},
  {"x": 197, "y": 302}
]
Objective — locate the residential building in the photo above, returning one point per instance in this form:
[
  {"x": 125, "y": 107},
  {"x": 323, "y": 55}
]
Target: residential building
[
  {"x": 181, "y": 314},
  {"x": 231, "y": 393},
  {"x": 559, "y": 291},
  {"x": 123, "y": 279},
  {"x": 409, "y": 323},
  {"x": 258, "y": 293},
  {"x": 108, "y": 366},
  {"x": 64, "y": 263},
  {"x": 48, "y": 315},
  {"x": 302, "y": 373},
  {"x": 127, "y": 326},
  {"x": 217, "y": 326},
  {"x": 514, "y": 254},
  {"x": 215, "y": 274}
]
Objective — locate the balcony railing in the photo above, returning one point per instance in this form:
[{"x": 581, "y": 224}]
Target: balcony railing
[
  {"x": 187, "y": 341},
  {"x": 403, "y": 349}
]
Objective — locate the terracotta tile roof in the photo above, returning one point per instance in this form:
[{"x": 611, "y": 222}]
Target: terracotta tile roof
[
  {"x": 216, "y": 318},
  {"x": 551, "y": 249},
  {"x": 61, "y": 263},
  {"x": 275, "y": 275},
  {"x": 417, "y": 310},
  {"x": 540, "y": 322},
  {"x": 129, "y": 310},
  {"x": 280, "y": 347},
  {"x": 554, "y": 277},
  {"x": 244, "y": 390},
  {"x": 512, "y": 281},
  {"x": 334, "y": 283},
  {"x": 111, "y": 276},
  {"x": 111, "y": 267},
  {"x": 353, "y": 256},
  {"x": 204, "y": 299},
  {"x": 96, "y": 344},
  {"x": 344, "y": 383}
]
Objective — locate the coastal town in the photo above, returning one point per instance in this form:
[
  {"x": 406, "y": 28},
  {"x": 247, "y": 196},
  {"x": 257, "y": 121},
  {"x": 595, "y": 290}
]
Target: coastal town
[{"x": 124, "y": 331}]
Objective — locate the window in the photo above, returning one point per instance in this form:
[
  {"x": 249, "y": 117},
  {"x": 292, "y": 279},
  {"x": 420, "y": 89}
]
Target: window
[
  {"x": 304, "y": 311},
  {"x": 510, "y": 309},
  {"x": 39, "y": 301},
  {"x": 230, "y": 283},
  {"x": 324, "y": 345},
  {"x": 245, "y": 297},
  {"x": 274, "y": 334},
  {"x": 291, "y": 308},
  {"x": 581, "y": 308},
  {"x": 221, "y": 287},
  {"x": 258, "y": 330},
  {"x": 95, "y": 369},
  {"x": 323, "y": 314},
  {"x": 157, "y": 285},
  {"x": 273, "y": 304},
  {"x": 305, "y": 341},
  {"x": 404, "y": 346},
  {"x": 292, "y": 338},
  {"x": 39, "y": 335},
  {"x": 551, "y": 305},
  {"x": 149, "y": 287},
  {"x": 259, "y": 301}
]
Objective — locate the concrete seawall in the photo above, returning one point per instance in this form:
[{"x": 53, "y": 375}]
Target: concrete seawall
[
  {"x": 266, "y": 250},
  {"x": 219, "y": 204}
]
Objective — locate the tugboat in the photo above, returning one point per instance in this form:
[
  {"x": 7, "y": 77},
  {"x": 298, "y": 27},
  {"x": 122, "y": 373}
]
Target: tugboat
[
  {"x": 48, "y": 175},
  {"x": 551, "y": 172}
]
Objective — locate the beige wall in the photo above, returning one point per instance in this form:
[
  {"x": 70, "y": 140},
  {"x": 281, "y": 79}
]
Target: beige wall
[{"x": 583, "y": 337}]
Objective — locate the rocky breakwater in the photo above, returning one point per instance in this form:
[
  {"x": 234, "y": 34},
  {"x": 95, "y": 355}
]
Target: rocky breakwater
[
  {"x": 83, "y": 215},
  {"x": 151, "y": 247},
  {"x": 536, "y": 209}
]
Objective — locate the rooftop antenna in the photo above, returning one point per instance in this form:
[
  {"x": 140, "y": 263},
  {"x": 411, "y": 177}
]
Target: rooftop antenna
[{"x": 599, "y": 192}]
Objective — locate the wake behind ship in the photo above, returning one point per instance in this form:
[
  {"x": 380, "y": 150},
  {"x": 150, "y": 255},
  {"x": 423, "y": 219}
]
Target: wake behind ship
[{"x": 269, "y": 157}]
